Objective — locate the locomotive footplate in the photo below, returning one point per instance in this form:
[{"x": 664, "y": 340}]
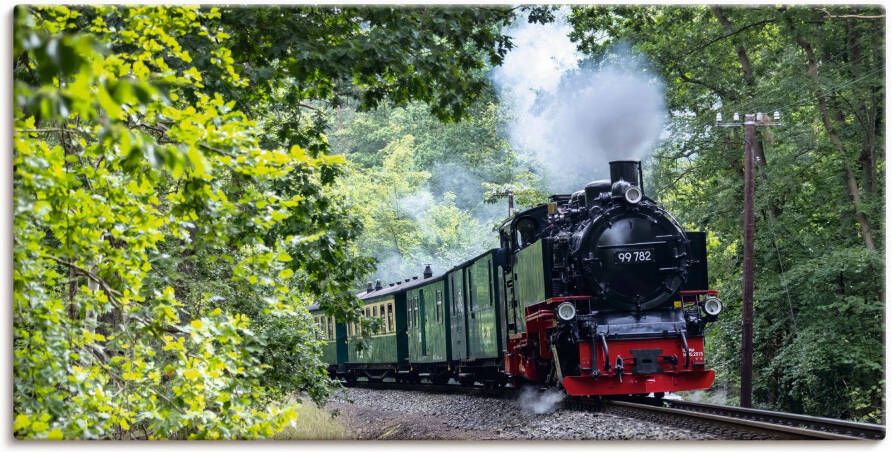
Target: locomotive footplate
[
  {"x": 646, "y": 361},
  {"x": 638, "y": 384}
]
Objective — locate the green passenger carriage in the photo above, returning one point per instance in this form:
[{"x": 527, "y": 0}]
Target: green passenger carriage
[
  {"x": 334, "y": 349},
  {"x": 428, "y": 329},
  {"x": 475, "y": 322}
]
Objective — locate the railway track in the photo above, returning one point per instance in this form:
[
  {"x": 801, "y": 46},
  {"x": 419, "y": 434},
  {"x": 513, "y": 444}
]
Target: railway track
[
  {"x": 813, "y": 425},
  {"x": 723, "y": 422},
  {"x": 744, "y": 423}
]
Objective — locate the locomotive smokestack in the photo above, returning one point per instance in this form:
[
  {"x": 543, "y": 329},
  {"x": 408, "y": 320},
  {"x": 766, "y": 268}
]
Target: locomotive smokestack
[
  {"x": 626, "y": 174},
  {"x": 427, "y": 271},
  {"x": 627, "y": 170},
  {"x": 369, "y": 287},
  {"x": 377, "y": 284}
]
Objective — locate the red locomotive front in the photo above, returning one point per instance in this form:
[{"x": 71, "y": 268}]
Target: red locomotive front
[{"x": 658, "y": 352}]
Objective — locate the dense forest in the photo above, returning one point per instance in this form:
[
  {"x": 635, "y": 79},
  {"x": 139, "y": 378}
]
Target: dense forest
[{"x": 187, "y": 181}]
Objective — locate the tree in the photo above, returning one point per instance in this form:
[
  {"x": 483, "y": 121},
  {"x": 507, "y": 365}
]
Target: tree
[
  {"x": 423, "y": 188},
  {"x": 167, "y": 242}
]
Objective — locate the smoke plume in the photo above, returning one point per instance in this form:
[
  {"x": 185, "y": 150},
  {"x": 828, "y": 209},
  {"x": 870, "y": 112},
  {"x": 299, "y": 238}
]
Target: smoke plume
[
  {"x": 574, "y": 116},
  {"x": 540, "y": 402}
]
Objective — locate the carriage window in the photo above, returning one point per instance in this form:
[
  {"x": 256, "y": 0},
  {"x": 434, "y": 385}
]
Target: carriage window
[
  {"x": 472, "y": 300},
  {"x": 439, "y": 297},
  {"x": 491, "y": 292},
  {"x": 390, "y": 317},
  {"x": 454, "y": 296}
]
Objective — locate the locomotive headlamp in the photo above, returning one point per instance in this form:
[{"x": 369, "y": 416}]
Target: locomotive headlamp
[
  {"x": 633, "y": 195},
  {"x": 566, "y": 311},
  {"x": 712, "y": 306}
]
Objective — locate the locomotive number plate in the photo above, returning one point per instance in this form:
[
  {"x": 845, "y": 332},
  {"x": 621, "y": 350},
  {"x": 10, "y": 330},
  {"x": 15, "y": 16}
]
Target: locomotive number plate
[{"x": 636, "y": 256}]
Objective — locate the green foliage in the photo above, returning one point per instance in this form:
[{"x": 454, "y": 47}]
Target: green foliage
[
  {"x": 167, "y": 243},
  {"x": 420, "y": 186},
  {"x": 404, "y": 226},
  {"x": 97, "y": 353},
  {"x": 819, "y": 183},
  {"x": 433, "y": 55}
]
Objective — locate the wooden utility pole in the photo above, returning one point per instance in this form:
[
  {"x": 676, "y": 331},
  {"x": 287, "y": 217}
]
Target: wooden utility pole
[
  {"x": 746, "y": 349},
  {"x": 750, "y": 122}
]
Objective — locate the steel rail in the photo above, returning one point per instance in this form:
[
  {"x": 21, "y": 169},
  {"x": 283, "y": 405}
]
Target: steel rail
[
  {"x": 784, "y": 425},
  {"x": 837, "y": 427},
  {"x": 734, "y": 422}
]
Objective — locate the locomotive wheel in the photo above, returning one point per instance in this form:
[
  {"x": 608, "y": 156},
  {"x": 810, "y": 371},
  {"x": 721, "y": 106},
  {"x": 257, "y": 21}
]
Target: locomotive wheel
[
  {"x": 515, "y": 381},
  {"x": 492, "y": 384}
]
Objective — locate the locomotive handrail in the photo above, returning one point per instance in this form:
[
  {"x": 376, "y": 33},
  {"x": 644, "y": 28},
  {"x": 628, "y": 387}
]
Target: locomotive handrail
[
  {"x": 687, "y": 351},
  {"x": 606, "y": 352},
  {"x": 632, "y": 245}
]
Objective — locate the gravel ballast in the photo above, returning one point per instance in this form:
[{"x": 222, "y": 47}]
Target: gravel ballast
[{"x": 398, "y": 414}]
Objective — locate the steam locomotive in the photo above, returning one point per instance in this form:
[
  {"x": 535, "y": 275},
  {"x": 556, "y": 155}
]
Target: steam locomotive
[{"x": 600, "y": 292}]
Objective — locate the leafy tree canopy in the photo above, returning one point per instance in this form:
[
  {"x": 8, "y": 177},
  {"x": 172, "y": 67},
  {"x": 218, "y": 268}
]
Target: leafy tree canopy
[{"x": 173, "y": 205}]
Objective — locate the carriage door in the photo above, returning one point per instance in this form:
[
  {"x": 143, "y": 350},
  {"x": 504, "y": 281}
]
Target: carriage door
[
  {"x": 459, "y": 345},
  {"x": 422, "y": 323}
]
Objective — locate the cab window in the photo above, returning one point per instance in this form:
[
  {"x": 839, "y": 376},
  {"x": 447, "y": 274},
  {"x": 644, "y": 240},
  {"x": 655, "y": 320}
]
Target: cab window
[{"x": 526, "y": 231}]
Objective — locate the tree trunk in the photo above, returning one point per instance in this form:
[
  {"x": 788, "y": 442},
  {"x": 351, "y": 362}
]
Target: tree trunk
[
  {"x": 866, "y": 105},
  {"x": 851, "y": 182}
]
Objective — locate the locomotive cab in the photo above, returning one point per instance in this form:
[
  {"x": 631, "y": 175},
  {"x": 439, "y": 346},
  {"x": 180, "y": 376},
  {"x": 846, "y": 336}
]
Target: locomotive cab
[{"x": 524, "y": 228}]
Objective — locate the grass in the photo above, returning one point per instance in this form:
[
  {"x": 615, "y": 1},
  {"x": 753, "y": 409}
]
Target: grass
[{"x": 314, "y": 423}]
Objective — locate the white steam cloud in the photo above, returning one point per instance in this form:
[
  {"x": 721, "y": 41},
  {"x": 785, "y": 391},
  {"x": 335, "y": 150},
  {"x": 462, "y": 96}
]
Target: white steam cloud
[
  {"x": 572, "y": 119},
  {"x": 540, "y": 402}
]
